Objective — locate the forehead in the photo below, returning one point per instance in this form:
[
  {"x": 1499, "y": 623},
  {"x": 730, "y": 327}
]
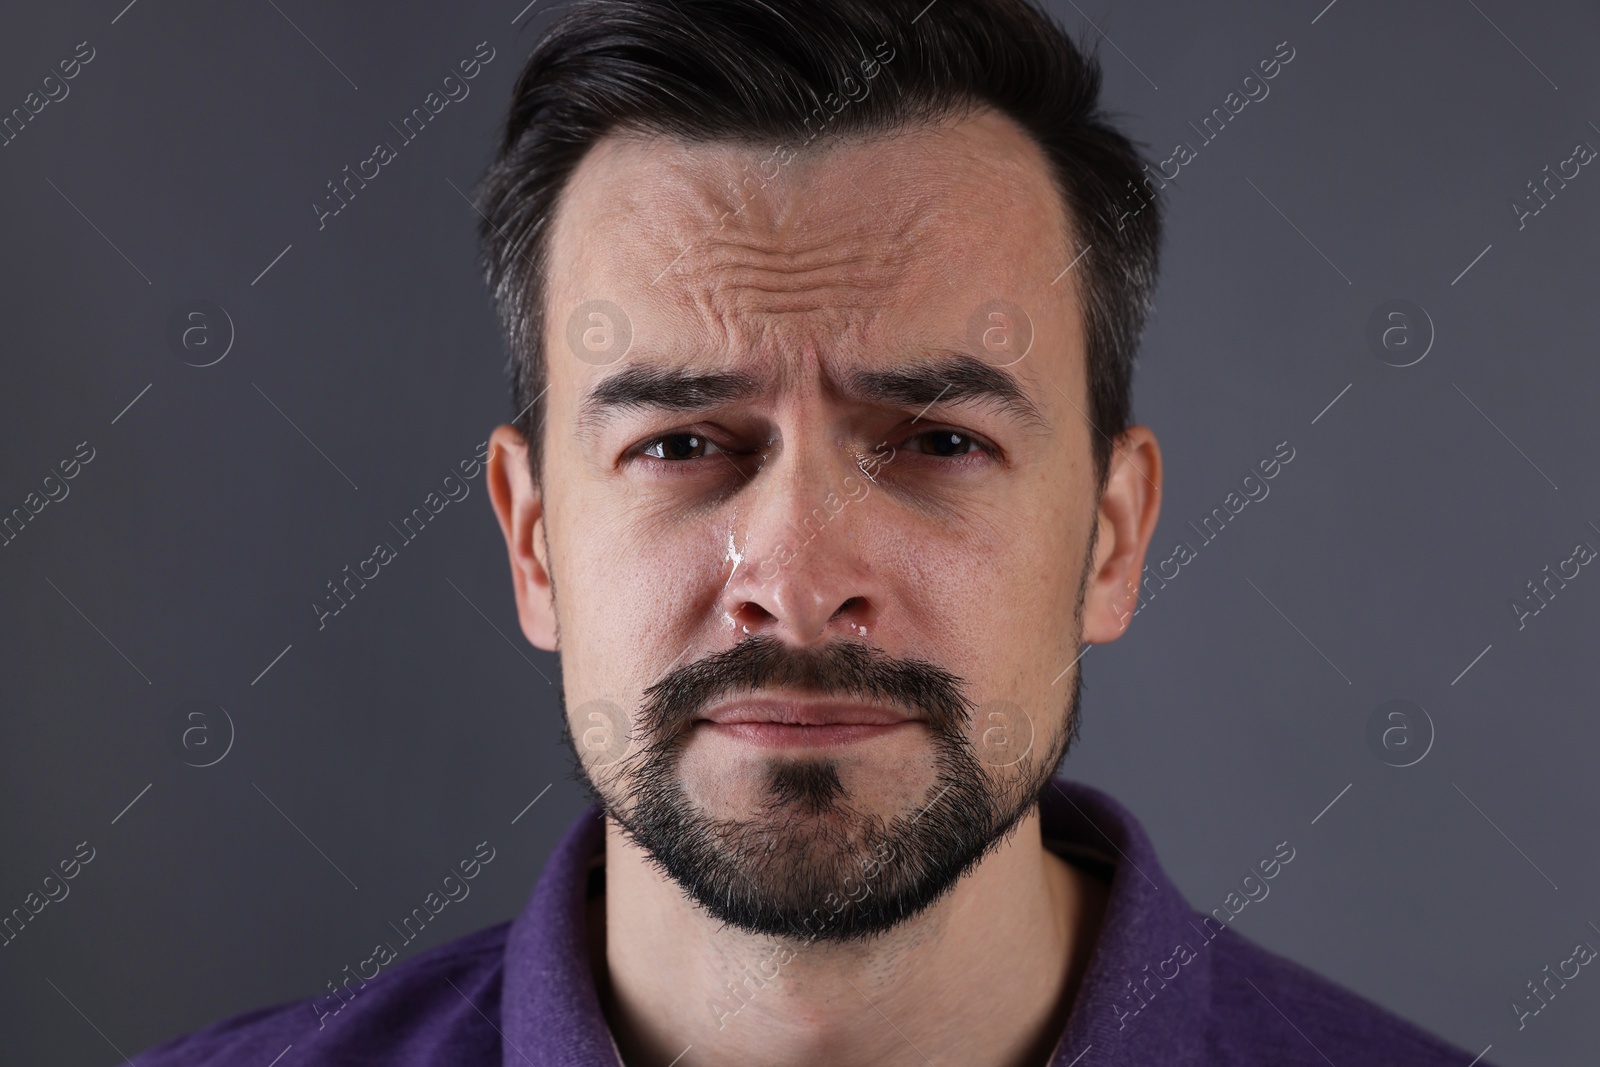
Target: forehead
[{"x": 827, "y": 252}]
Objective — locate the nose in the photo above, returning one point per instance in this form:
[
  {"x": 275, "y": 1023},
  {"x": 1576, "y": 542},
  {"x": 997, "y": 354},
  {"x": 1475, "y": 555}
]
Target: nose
[{"x": 804, "y": 576}]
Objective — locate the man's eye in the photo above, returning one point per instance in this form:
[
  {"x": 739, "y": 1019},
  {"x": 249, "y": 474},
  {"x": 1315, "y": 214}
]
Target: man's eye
[
  {"x": 945, "y": 443},
  {"x": 676, "y": 446}
]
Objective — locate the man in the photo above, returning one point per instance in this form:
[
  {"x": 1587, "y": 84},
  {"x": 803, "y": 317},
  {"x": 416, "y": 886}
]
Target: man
[{"x": 822, "y": 317}]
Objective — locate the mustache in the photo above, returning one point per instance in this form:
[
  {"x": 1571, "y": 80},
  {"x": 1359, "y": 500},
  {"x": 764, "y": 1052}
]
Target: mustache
[{"x": 842, "y": 668}]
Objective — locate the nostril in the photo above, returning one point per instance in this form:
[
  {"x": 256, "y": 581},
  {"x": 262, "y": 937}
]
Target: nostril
[
  {"x": 750, "y": 615},
  {"x": 850, "y": 605}
]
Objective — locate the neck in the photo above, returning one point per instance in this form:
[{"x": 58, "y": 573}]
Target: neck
[{"x": 1009, "y": 943}]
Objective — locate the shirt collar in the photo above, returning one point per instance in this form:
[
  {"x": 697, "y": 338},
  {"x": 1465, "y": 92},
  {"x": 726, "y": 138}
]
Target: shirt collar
[
  {"x": 1136, "y": 954},
  {"x": 551, "y": 1011}
]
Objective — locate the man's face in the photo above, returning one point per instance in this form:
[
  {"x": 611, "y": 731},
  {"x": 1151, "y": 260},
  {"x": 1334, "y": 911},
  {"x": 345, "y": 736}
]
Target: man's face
[{"x": 821, "y": 532}]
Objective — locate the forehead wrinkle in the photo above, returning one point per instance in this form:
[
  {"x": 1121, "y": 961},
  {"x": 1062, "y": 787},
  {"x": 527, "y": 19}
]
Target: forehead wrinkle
[
  {"x": 801, "y": 264},
  {"x": 842, "y": 272},
  {"x": 809, "y": 268},
  {"x": 683, "y": 193},
  {"x": 810, "y": 206},
  {"x": 839, "y": 212},
  {"x": 853, "y": 257}
]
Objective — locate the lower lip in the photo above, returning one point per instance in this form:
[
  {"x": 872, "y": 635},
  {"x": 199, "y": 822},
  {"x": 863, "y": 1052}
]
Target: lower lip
[{"x": 785, "y": 735}]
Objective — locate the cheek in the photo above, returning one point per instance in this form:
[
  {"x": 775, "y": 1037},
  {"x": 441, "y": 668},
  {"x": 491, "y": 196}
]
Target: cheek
[
  {"x": 990, "y": 597},
  {"x": 631, "y": 594}
]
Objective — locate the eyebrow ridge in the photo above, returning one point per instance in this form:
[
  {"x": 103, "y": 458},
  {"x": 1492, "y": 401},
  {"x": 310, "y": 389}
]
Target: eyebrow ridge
[
  {"x": 670, "y": 389},
  {"x": 951, "y": 378}
]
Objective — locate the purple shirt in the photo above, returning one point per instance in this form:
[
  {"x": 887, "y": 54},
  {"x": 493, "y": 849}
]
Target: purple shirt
[{"x": 1165, "y": 985}]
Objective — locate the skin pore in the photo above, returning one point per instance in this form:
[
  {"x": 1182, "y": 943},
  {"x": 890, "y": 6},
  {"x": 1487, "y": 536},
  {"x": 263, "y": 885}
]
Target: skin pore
[{"x": 679, "y": 529}]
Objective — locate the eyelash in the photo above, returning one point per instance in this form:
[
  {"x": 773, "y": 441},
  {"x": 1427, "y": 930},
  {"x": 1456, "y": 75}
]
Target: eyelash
[{"x": 978, "y": 446}]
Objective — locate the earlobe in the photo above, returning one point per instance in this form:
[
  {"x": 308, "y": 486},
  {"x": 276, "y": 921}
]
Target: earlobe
[
  {"x": 519, "y": 506},
  {"x": 1129, "y": 507}
]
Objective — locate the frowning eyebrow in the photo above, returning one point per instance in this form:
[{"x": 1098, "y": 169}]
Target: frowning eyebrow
[
  {"x": 664, "y": 388},
  {"x": 953, "y": 378},
  {"x": 950, "y": 379}
]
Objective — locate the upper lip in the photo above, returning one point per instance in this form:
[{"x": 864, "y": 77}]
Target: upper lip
[{"x": 802, "y": 711}]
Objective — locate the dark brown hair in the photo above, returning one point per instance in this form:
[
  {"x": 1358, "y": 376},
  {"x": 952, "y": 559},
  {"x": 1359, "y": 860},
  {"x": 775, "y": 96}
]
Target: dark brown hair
[{"x": 757, "y": 72}]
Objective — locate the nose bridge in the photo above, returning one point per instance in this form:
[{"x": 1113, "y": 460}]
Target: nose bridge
[{"x": 803, "y": 573}]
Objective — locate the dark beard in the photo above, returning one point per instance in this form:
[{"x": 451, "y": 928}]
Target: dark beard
[{"x": 806, "y": 864}]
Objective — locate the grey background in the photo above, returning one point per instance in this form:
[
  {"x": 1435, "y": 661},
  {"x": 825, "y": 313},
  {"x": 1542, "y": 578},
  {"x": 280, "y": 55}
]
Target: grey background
[{"x": 418, "y": 723}]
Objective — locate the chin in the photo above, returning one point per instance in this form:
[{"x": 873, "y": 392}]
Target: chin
[
  {"x": 819, "y": 847},
  {"x": 730, "y": 779}
]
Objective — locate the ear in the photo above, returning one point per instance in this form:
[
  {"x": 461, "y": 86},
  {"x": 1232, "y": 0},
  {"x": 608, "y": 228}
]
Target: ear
[
  {"x": 1127, "y": 519},
  {"x": 519, "y": 506}
]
